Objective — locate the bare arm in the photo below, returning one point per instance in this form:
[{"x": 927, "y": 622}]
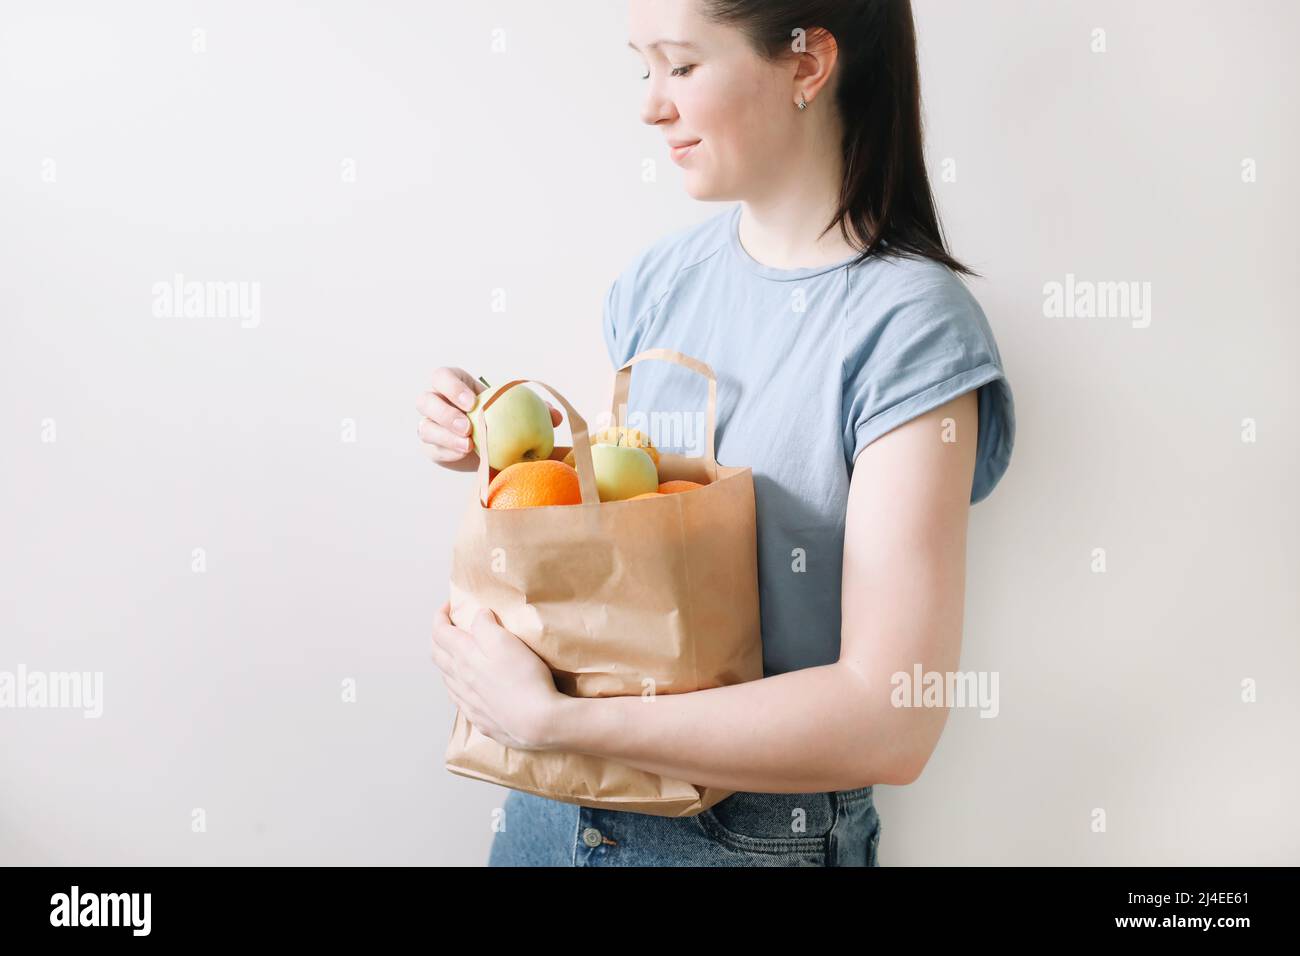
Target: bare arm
[{"x": 830, "y": 727}]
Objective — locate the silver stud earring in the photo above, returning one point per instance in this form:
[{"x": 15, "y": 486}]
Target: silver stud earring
[{"x": 803, "y": 103}]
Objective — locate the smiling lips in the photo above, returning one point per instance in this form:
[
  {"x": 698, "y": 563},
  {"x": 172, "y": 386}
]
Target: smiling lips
[{"x": 680, "y": 152}]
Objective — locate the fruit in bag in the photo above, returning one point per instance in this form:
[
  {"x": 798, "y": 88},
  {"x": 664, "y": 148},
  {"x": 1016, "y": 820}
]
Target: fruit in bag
[
  {"x": 623, "y": 472},
  {"x": 622, "y": 436},
  {"x": 519, "y": 427},
  {"x": 677, "y": 486},
  {"x": 533, "y": 484}
]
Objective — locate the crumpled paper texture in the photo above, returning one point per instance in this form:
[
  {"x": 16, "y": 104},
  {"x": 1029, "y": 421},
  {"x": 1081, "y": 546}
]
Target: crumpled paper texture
[{"x": 618, "y": 598}]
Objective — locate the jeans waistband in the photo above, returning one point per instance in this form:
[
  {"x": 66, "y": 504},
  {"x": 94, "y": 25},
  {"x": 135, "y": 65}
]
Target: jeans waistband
[{"x": 850, "y": 796}]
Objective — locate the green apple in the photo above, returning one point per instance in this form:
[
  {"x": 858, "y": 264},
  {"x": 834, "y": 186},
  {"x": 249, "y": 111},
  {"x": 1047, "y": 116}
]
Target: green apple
[
  {"x": 623, "y": 471},
  {"x": 518, "y": 424}
]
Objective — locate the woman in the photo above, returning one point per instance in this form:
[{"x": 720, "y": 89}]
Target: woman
[{"x": 858, "y": 378}]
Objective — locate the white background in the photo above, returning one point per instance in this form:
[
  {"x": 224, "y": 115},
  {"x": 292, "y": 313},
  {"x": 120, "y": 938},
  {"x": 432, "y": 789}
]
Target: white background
[{"x": 522, "y": 170}]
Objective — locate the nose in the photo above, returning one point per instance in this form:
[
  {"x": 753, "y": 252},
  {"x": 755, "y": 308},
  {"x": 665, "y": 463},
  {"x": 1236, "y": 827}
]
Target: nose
[{"x": 656, "y": 107}]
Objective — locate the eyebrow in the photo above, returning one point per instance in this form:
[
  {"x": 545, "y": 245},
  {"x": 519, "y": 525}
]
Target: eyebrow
[{"x": 681, "y": 43}]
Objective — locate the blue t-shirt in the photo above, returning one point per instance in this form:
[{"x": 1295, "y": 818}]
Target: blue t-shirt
[{"x": 812, "y": 365}]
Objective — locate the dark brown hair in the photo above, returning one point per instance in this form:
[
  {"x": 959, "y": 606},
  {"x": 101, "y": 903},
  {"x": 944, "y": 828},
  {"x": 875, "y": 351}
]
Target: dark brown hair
[{"x": 886, "y": 193}]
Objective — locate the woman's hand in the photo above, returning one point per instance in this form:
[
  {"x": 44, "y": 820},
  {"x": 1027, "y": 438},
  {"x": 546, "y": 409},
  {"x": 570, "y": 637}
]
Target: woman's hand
[
  {"x": 505, "y": 690},
  {"x": 444, "y": 427}
]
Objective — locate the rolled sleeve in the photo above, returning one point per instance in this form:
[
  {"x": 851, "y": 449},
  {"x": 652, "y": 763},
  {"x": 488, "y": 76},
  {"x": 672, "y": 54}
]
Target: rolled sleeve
[{"x": 931, "y": 347}]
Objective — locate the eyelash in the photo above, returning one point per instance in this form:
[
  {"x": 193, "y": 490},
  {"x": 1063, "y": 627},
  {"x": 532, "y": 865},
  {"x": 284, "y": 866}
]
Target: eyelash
[{"x": 674, "y": 72}]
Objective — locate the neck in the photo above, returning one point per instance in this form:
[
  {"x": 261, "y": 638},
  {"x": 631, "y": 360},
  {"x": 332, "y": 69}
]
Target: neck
[{"x": 780, "y": 227}]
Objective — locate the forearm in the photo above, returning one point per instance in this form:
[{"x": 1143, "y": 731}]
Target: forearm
[{"x": 814, "y": 729}]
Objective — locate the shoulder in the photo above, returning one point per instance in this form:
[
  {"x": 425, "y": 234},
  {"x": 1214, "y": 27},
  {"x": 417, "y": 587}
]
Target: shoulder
[
  {"x": 889, "y": 284},
  {"x": 644, "y": 281},
  {"x": 652, "y": 270},
  {"x": 914, "y": 338},
  {"x": 894, "y": 302}
]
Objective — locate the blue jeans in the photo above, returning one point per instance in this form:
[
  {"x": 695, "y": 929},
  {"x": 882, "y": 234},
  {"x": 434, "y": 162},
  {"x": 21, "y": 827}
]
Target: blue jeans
[{"x": 831, "y": 828}]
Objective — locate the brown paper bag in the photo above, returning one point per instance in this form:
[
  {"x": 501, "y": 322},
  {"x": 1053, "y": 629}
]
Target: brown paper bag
[{"x": 619, "y": 598}]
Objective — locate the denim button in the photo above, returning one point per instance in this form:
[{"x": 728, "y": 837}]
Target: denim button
[{"x": 591, "y": 836}]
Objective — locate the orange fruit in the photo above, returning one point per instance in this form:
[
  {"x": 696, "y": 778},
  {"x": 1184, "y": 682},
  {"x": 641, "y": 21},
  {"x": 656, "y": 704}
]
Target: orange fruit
[
  {"x": 648, "y": 494},
  {"x": 531, "y": 484},
  {"x": 677, "y": 486}
]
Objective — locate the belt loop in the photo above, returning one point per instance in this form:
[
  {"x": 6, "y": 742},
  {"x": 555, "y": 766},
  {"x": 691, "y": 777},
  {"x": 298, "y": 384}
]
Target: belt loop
[{"x": 832, "y": 838}]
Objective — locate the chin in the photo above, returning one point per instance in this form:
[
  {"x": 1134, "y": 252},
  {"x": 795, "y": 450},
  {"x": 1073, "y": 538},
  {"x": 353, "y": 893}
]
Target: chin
[{"x": 702, "y": 188}]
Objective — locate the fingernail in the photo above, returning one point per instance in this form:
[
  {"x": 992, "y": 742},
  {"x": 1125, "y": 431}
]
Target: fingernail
[
  {"x": 466, "y": 400},
  {"x": 462, "y": 425},
  {"x": 464, "y": 444}
]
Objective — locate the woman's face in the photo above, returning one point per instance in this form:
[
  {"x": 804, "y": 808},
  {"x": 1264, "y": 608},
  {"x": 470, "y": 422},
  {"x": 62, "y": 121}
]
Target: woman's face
[{"x": 716, "y": 93}]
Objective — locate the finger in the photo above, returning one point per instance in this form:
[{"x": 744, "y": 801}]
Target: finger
[
  {"x": 443, "y": 456},
  {"x": 442, "y": 618},
  {"x": 457, "y": 386},
  {"x": 437, "y": 409},
  {"x": 485, "y": 614},
  {"x": 431, "y": 433},
  {"x": 459, "y": 643},
  {"x": 557, "y": 416},
  {"x": 455, "y": 638},
  {"x": 442, "y": 660},
  {"x": 486, "y": 625},
  {"x": 441, "y": 656},
  {"x": 456, "y": 698},
  {"x": 465, "y": 696},
  {"x": 447, "y": 637}
]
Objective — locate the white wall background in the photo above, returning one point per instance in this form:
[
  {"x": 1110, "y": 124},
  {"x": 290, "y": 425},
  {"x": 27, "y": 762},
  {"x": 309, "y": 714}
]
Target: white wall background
[{"x": 127, "y": 157}]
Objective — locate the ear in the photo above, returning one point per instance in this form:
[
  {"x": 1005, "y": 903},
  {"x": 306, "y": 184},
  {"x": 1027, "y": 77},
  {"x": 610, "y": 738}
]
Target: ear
[{"x": 817, "y": 56}]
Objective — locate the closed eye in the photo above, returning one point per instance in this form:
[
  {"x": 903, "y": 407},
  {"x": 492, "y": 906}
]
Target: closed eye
[{"x": 676, "y": 71}]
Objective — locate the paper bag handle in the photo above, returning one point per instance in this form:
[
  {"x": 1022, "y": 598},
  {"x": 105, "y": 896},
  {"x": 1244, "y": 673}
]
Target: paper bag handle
[
  {"x": 623, "y": 385},
  {"x": 581, "y": 444}
]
